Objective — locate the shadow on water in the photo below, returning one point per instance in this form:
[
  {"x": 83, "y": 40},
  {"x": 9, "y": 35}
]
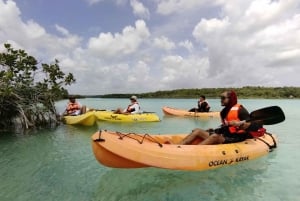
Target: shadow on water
[{"x": 228, "y": 183}]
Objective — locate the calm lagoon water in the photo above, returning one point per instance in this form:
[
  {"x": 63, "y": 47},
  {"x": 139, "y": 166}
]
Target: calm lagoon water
[{"x": 58, "y": 164}]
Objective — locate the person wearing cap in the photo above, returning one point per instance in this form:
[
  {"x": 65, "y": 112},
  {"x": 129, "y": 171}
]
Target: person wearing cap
[
  {"x": 74, "y": 107},
  {"x": 234, "y": 128},
  {"x": 132, "y": 108},
  {"x": 203, "y": 105}
]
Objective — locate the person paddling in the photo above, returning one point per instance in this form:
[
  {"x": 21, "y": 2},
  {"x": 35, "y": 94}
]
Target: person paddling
[{"x": 234, "y": 126}]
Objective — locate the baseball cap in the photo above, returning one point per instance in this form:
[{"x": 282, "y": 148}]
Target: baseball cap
[{"x": 133, "y": 97}]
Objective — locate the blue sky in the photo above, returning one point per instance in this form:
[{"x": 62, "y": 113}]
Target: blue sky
[
  {"x": 133, "y": 46},
  {"x": 78, "y": 17}
]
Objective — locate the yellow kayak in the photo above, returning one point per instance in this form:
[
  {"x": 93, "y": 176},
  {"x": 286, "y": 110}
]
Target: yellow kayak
[
  {"x": 130, "y": 150},
  {"x": 141, "y": 117},
  {"x": 87, "y": 119},
  {"x": 186, "y": 113}
]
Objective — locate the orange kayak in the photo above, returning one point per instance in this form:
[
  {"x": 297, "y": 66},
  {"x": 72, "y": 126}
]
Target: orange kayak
[
  {"x": 130, "y": 150},
  {"x": 186, "y": 113}
]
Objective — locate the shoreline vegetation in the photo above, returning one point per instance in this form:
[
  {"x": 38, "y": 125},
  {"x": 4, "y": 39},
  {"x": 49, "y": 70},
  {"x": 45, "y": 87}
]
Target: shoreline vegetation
[
  {"x": 29, "y": 89},
  {"x": 243, "y": 92}
]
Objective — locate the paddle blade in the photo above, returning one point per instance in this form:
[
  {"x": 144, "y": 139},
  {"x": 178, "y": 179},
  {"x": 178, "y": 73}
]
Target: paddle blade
[{"x": 268, "y": 116}]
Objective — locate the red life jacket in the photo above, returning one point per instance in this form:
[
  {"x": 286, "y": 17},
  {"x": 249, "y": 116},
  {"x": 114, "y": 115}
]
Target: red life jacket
[
  {"x": 233, "y": 115},
  {"x": 72, "y": 107}
]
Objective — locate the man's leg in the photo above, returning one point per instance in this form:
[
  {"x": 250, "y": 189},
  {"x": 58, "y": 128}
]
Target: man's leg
[
  {"x": 118, "y": 111},
  {"x": 196, "y": 133},
  {"x": 213, "y": 139}
]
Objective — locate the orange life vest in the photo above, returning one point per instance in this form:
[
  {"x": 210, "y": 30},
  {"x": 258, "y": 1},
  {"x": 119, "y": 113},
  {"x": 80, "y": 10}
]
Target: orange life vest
[
  {"x": 233, "y": 115},
  {"x": 72, "y": 107}
]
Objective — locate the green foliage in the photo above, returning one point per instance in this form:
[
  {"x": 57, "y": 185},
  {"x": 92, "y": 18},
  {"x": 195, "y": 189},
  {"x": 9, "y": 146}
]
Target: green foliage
[
  {"x": 28, "y": 90},
  {"x": 244, "y": 92}
]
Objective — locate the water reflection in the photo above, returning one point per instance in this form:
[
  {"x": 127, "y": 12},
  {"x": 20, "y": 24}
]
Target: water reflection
[{"x": 228, "y": 183}]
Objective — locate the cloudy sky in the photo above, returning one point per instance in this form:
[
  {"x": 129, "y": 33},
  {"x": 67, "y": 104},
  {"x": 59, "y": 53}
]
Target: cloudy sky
[{"x": 133, "y": 46}]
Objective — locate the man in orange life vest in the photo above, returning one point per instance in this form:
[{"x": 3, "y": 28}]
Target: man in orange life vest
[
  {"x": 133, "y": 108},
  {"x": 74, "y": 107},
  {"x": 234, "y": 126}
]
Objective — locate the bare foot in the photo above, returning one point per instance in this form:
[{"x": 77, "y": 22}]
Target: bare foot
[{"x": 167, "y": 140}]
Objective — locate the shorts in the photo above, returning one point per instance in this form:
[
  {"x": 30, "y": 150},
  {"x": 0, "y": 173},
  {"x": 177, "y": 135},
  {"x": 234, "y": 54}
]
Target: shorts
[
  {"x": 232, "y": 138},
  {"x": 77, "y": 112}
]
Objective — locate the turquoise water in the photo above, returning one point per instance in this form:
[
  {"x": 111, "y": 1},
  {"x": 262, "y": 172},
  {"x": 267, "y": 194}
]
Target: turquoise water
[{"x": 58, "y": 164}]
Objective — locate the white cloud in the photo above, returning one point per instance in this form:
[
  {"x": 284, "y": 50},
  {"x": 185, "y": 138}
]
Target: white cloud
[
  {"x": 187, "y": 44},
  {"x": 207, "y": 29},
  {"x": 12, "y": 26},
  {"x": 32, "y": 36},
  {"x": 167, "y": 7},
  {"x": 164, "y": 43},
  {"x": 109, "y": 45},
  {"x": 188, "y": 72},
  {"x": 262, "y": 13},
  {"x": 62, "y": 30},
  {"x": 260, "y": 40},
  {"x": 139, "y": 9}
]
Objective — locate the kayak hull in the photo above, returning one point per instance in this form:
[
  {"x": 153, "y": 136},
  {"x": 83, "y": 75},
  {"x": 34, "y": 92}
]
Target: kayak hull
[
  {"x": 186, "y": 113},
  {"x": 112, "y": 117},
  {"x": 87, "y": 119},
  {"x": 129, "y": 150}
]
